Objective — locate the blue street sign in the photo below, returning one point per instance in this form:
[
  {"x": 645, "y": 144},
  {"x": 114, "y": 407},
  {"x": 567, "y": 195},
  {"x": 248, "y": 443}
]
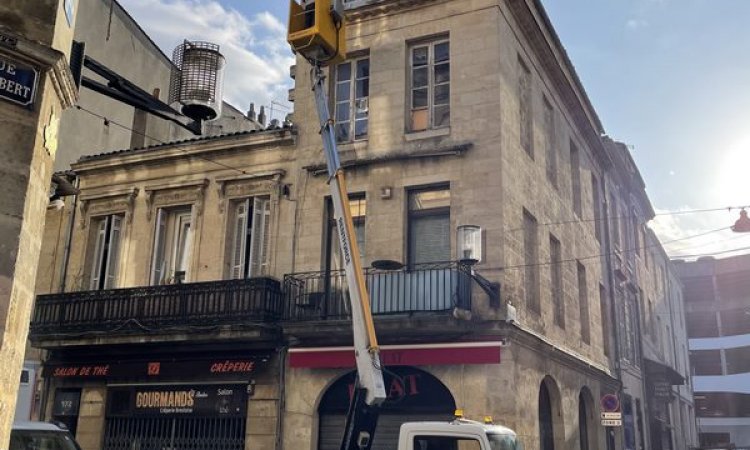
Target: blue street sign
[{"x": 18, "y": 82}]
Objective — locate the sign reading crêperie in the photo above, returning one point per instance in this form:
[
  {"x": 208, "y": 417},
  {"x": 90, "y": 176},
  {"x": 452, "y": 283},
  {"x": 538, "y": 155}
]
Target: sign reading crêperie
[{"x": 18, "y": 82}]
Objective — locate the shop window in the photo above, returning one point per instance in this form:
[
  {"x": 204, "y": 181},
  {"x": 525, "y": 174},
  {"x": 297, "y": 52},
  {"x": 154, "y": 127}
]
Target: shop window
[
  {"x": 429, "y": 225},
  {"x": 352, "y": 93},
  {"x": 104, "y": 251},
  {"x": 172, "y": 245},
  {"x": 706, "y": 362},
  {"x": 248, "y": 236},
  {"x": 429, "y": 65},
  {"x": 738, "y": 360}
]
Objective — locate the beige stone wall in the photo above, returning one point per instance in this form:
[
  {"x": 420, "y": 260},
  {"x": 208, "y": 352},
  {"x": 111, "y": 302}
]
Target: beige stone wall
[{"x": 25, "y": 177}]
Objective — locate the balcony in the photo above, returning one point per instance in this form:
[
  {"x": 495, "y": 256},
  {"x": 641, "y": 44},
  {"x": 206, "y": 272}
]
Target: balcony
[
  {"x": 423, "y": 288},
  {"x": 156, "y": 309}
]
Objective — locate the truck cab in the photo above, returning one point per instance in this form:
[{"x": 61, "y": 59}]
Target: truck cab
[{"x": 460, "y": 434}]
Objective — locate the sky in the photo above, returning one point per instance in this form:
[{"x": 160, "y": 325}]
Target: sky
[{"x": 671, "y": 78}]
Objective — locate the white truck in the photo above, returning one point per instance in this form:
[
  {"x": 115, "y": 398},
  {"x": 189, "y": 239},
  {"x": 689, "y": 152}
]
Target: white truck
[{"x": 317, "y": 31}]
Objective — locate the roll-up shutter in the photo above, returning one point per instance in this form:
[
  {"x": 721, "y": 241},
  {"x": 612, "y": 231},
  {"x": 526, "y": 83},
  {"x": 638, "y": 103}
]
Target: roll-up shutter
[{"x": 386, "y": 434}]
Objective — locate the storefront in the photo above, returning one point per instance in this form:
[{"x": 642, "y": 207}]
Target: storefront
[
  {"x": 194, "y": 401},
  {"x": 414, "y": 393}
]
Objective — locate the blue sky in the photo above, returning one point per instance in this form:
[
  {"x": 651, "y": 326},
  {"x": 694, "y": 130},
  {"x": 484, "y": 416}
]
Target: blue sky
[{"x": 671, "y": 78}]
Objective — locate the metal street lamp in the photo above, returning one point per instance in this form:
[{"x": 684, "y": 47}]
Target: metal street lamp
[{"x": 742, "y": 225}]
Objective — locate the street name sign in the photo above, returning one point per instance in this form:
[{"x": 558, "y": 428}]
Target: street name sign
[
  {"x": 611, "y": 423},
  {"x": 611, "y": 416},
  {"x": 18, "y": 82}
]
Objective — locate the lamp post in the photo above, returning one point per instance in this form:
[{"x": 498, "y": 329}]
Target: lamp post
[
  {"x": 469, "y": 249},
  {"x": 742, "y": 225}
]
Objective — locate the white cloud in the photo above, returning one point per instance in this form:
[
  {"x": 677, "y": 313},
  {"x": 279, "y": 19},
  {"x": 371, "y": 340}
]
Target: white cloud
[
  {"x": 258, "y": 57},
  {"x": 689, "y": 234},
  {"x": 636, "y": 23}
]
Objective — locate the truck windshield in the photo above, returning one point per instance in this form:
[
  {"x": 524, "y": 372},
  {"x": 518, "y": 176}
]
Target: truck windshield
[{"x": 504, "y": 442}]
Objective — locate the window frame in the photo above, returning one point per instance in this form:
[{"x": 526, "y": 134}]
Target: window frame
[
  {"x": 332, "y": 249},
  {"x": 248, "y": 261},
  {"x": 556, "y": 281},
  {"x": 525, "y": 108},
  {"x": 531, "y": 261},
  {"x": 103, "y": 268},
  {"x": 167, "y": 243},
  {"x": 352, "y": 99},
  {"x": 431, "y": 86},
  {"x": 411, "y": 215}
]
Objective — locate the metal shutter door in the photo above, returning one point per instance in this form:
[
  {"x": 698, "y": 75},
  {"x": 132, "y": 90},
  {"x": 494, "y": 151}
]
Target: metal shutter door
[{"x": 331, "y": 429}]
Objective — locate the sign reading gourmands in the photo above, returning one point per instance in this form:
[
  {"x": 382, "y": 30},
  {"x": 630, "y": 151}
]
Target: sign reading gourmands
[
  {"x": 178, "y": 400},
  {"x": 17, "y": 82}
]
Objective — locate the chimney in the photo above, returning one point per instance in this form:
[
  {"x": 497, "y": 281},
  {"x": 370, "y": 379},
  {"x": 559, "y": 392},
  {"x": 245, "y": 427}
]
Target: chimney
[
  {"x": 262, "y": 116},
  {"x": 251, "y": 112}
]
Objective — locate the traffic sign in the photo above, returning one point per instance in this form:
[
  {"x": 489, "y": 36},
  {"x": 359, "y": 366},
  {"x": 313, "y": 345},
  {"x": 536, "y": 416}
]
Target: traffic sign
[
  {"x": 611, "y": 416},
  {"x": 611, "y": 423},
  {"x": 610, "y": 403}
]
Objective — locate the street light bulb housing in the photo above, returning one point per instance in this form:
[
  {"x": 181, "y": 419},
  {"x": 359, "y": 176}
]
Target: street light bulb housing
[
  {"x": 742, "y": 225},
  {"x": 469, "y": 244}
]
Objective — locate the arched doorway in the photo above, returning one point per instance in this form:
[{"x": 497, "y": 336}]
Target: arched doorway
[
  {"x": 550, "y": 418},
  {"x": 413, "y": 395},
  {"x": 586, "y": 426}
]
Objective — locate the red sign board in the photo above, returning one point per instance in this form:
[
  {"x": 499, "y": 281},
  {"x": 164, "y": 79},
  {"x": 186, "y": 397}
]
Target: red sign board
[{"x": 401, "y": 355}]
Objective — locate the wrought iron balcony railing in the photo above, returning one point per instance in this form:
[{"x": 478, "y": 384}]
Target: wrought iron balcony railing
[
  {"x": 157, "y": 308},
  {"x": 432, "y": 287}
]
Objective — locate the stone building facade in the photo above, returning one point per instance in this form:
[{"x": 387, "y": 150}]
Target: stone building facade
[{"x": 211, "y": 262}]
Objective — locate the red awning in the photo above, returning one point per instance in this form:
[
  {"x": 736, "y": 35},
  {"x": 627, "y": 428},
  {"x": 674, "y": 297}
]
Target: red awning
[{"x": 401, "y": 355}]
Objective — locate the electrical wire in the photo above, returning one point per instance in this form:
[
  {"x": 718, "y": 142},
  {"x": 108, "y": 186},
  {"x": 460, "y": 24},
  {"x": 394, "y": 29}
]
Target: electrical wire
[{"x": 225, "y": 166}]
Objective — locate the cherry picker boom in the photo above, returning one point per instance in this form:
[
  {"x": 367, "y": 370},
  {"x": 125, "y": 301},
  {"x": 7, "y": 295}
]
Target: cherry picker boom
[
  {"x": 317, "y": 32},
  {"x": 370, "y": 390}
]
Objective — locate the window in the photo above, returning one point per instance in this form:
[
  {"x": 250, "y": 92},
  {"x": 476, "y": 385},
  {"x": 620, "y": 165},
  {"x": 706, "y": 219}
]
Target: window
[
  {"x": 604, "y": 311},
  {"x": 583, "y": 303},
  {"x": 702, "y": 324},
  {"x": 738, "y": 360},
  {"x": 448, "y": 443},
  {"x": 575, "y": 177},
  {"x": 556, "y": 282},
  {"x": 358, "y": 208},
  {"x": 105, "y": 253},
  {"x": 250, "y": 222},
  {"x": 596, "y": 199},
  {"x": 172, "y": 244},
  {"x": 549, "y": 135},
  {"x": 429, "y": 225},
  {"x": 524, "y": 108},
  {"x": 531, "y": 261},
  {"x": 735, "y": 321},
  {"x": 706, "y": 362},
  {"x": 615, "y": 223},
  {"x": 630, "y": 327},
  {"x": 710, "y": 440},
  {"x": 25, "y": 376},
  {"x": 352, "y": 93},
  {"x": 636, "y": 232},
  {"x": 430, "y": 85}
]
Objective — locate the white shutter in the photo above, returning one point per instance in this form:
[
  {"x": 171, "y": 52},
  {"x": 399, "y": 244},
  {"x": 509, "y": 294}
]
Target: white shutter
[
  {"x": 239, "y": 242},
  {"x": 113, "y": 255},
  {"x": 96, "y": 266},
  {"x": 259, "y": 237},
  {"x": 184, "y": 243},
  {"x": 160, "y": 235}
]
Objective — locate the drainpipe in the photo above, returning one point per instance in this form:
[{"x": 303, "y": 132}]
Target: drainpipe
[
  {"x": 612, "y": 308},
  {"x": 68, "y": 240},
  {"x": 281, "y": 403}
]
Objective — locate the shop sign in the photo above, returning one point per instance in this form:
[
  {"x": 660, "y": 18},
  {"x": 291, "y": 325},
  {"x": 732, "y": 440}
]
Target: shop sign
[
  {"x": 611, "y": 423},
  {"x": 209, "y": 369},
  {"x": 662, "y": 389},
  {"x": 178, "y": 400},
  {"x": 17, "y": 82},
  {"x": 406, "y": 387},
  {"x": 66, "y": 403}
]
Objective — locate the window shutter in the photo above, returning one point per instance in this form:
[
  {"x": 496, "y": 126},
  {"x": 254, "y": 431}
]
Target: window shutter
[
  {"x": 184, "y": 243},
  {"x": 259, "y": 237},
  {"x": 157, "y": 264},
  {"x": 430, "y": 239},
  {"x": 96, "y": 269},
  {"x": 113, "y": 255},
  {"x": 239, "y": 241}
]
